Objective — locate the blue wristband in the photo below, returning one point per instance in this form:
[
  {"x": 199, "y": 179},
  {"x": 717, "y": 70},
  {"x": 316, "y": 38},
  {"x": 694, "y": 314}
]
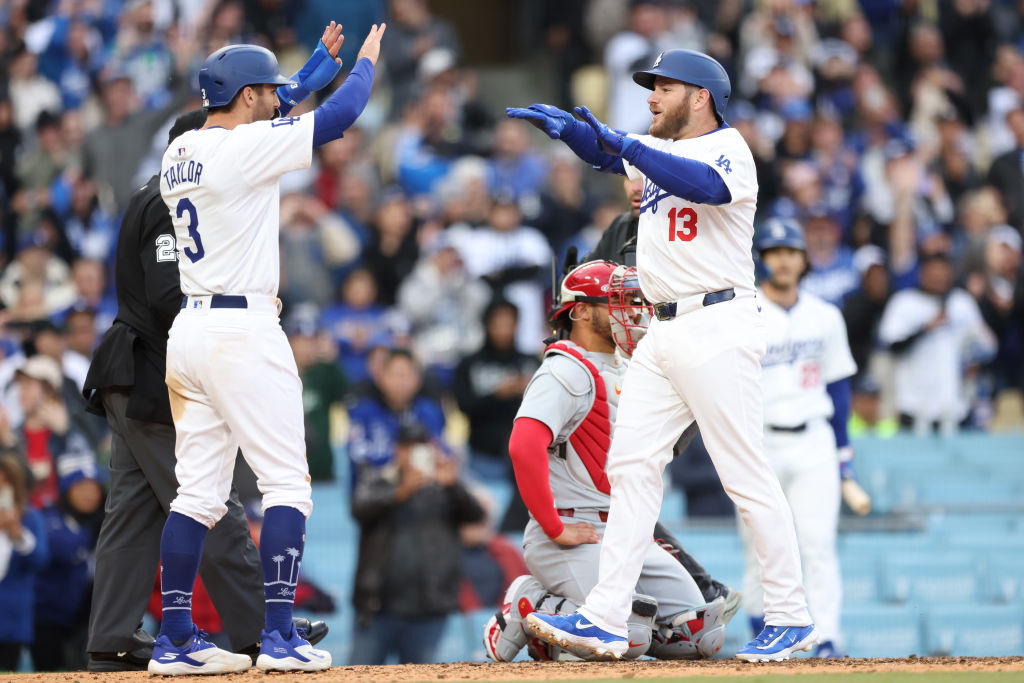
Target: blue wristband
[{"x": 318, "y": 71}]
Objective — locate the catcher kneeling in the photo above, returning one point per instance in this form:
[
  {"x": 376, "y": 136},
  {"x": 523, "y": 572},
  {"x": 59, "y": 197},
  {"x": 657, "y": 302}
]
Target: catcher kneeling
[{"x": 559, "y": 446}]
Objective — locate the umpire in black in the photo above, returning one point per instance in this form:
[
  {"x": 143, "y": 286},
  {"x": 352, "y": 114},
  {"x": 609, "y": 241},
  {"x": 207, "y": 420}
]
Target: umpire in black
[{"x": 125, "y": 384}]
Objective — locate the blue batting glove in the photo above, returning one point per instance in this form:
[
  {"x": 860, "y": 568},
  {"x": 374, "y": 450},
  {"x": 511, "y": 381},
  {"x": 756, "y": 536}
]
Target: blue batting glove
[
  {"x": 318, "y": 71},
  {"x": 612, "y": 141},
  {"x": 846, "y": 470},
  {"x": 551, "y": 120}
]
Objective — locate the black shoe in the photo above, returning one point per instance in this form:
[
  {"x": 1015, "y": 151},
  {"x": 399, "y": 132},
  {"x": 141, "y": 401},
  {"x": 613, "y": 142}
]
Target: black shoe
[
  {"x": 136, "y": 659},
  {"x": 315, "y": 632}
]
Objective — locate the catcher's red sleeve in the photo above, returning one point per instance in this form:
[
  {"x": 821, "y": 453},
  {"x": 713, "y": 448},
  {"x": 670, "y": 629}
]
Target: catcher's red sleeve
[{"x": 528, "y": 448}]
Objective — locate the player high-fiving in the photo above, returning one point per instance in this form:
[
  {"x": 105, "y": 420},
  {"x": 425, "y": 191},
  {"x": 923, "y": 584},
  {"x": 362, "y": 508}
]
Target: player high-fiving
[{"x": 230, "y": 370}]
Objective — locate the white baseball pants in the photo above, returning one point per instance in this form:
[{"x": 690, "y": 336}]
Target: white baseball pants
[
  {"x": 705, "y": 366},
  {"x": 232, "y": 381},
  {"x": 808, "y": 469}
]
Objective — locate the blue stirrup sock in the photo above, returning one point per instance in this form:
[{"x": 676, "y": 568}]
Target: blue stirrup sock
[
  {"x": 281, "y": 544},
  {"x": 181, "y": 546}
]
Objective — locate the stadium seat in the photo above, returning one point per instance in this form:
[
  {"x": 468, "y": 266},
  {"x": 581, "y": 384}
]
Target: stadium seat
[
  {"x": 1004, "y": 582},
  {"x": 884, "y": 544},
  {"x": 933, "y": 579},
  {"x": 961, "y": 492},
  {"x": 972, "y": 522},
  {"x": 881, "y": 631},
  {"x": 860, "y": 579},
  {"x": 972, "y": 630}
]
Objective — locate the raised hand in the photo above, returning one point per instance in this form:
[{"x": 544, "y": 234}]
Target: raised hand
[
  {"x": 551, "y": 120},
  {"x": 332, "y": 40},
  {"x": 371, "y": 46},
  {"x": 610, "y": 139}
]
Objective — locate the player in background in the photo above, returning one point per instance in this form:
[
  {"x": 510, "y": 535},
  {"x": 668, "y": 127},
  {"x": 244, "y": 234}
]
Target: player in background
[
  {"x": 700, "y": 360},
  {"x": 125, "y": 384},
  {"x": 231, "y": 374},
  {"x": 807, "y": 371},
  {"x": 559, "y": 446}
]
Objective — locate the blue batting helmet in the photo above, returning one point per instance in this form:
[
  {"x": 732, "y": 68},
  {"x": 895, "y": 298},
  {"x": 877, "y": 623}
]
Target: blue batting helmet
[
  {"x": 690, "y": 66},
  {"x": 781, "y": 232},
  {"x": 231, "y": 68}
]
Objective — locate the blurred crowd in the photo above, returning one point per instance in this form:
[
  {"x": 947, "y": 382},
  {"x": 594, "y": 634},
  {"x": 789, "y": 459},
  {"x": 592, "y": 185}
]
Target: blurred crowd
[{"x": 416, "y": 251}]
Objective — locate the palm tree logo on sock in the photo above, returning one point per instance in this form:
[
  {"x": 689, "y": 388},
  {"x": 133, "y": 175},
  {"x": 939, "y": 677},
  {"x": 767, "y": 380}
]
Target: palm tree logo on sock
[
  {"x": 288, "y": 585},
  {"x": 294, "y": 554},
  {"x": 278, "y": 559}
]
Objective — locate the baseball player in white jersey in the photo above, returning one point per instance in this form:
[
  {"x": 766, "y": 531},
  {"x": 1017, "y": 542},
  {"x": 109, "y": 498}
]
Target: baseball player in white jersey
[
  {"x": 700, "y": 360},
  {"x": 806, "y": 407},
  {"x": 231, "y": 374},
  {"x": 558, "y": 446}
]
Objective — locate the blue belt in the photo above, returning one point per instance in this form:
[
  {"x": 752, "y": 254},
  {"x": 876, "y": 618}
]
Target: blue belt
[
  {"x": 797, "y": 429},
  {"x": 223, "y": 301},
  {"x": 667, "y": 311}
]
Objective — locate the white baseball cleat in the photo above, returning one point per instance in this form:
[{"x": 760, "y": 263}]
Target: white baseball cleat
[
  {"x": 291, "y": 654},
  {"x": 196, "y": 656}
]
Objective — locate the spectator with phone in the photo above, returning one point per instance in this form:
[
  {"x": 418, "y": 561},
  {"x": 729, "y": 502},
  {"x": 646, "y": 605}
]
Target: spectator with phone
[
  {"x": 409, "y": 503},
  {"x": 410, "y": 553},
  {"x": 23, "y": 553}
]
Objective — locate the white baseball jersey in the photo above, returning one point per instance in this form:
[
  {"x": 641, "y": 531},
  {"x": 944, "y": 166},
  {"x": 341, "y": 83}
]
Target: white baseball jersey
[
  {"x": 929, "y": 375},
  {"x": 684, "y": 248},
  {"x": 807, "y": 350},
  {"x": 221, "y": 187}
]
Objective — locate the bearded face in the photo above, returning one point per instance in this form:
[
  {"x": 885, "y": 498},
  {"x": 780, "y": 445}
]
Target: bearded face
[{"x": 671, "y": 103}]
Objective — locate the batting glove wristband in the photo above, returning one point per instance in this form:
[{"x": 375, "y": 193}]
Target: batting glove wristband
[
  {"x": 318, "y": 71},
  {"x": 612, "y": 141}
]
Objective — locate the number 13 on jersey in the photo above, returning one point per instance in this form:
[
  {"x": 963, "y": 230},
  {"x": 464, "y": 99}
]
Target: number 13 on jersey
[{"x": 682, "y": 224}]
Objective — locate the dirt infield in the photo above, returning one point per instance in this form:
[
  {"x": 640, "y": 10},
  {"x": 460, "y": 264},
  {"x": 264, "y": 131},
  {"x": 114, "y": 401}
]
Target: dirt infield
[{"x": 531, "y": 671}]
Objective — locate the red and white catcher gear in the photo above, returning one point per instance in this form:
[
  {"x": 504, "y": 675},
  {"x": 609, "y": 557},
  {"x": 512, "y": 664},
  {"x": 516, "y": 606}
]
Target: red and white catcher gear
[
  {"x": 587, "y": 282},
  {"x": 629, "y": 312},
  {"x": 696, "y": 634}
]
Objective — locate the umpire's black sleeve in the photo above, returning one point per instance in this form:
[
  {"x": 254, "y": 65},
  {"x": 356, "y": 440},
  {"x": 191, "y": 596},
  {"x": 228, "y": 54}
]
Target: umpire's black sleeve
[
  {"x": 609, "y": 247},
  {"x": 159, "y": 259}
]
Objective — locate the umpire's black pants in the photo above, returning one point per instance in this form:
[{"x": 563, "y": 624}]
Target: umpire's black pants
[{"x": 142, "y": 486}]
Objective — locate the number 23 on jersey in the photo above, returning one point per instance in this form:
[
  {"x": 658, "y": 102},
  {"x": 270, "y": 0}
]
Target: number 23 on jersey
[{"x": 682, "y": 224}]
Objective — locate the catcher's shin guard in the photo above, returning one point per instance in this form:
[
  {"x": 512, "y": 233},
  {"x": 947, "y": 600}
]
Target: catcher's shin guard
[
  {"x": 505, "y": 633},
  {"x": 695, "y": 634}
]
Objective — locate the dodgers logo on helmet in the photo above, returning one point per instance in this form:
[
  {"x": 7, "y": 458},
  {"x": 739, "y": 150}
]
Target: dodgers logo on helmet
[
  {"x": 696, "y": 68},
  {"x": 781, "y": 232},
  {"x": 231, "y": 68}
]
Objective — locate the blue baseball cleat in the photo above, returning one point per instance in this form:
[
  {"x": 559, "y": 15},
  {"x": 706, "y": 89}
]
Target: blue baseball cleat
[
  {"x": 195, "y": 656},
  {"x": 293, "y": 653},
  {"x": 777, "y": 643},
  {"x": 576, "y": 630}
]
